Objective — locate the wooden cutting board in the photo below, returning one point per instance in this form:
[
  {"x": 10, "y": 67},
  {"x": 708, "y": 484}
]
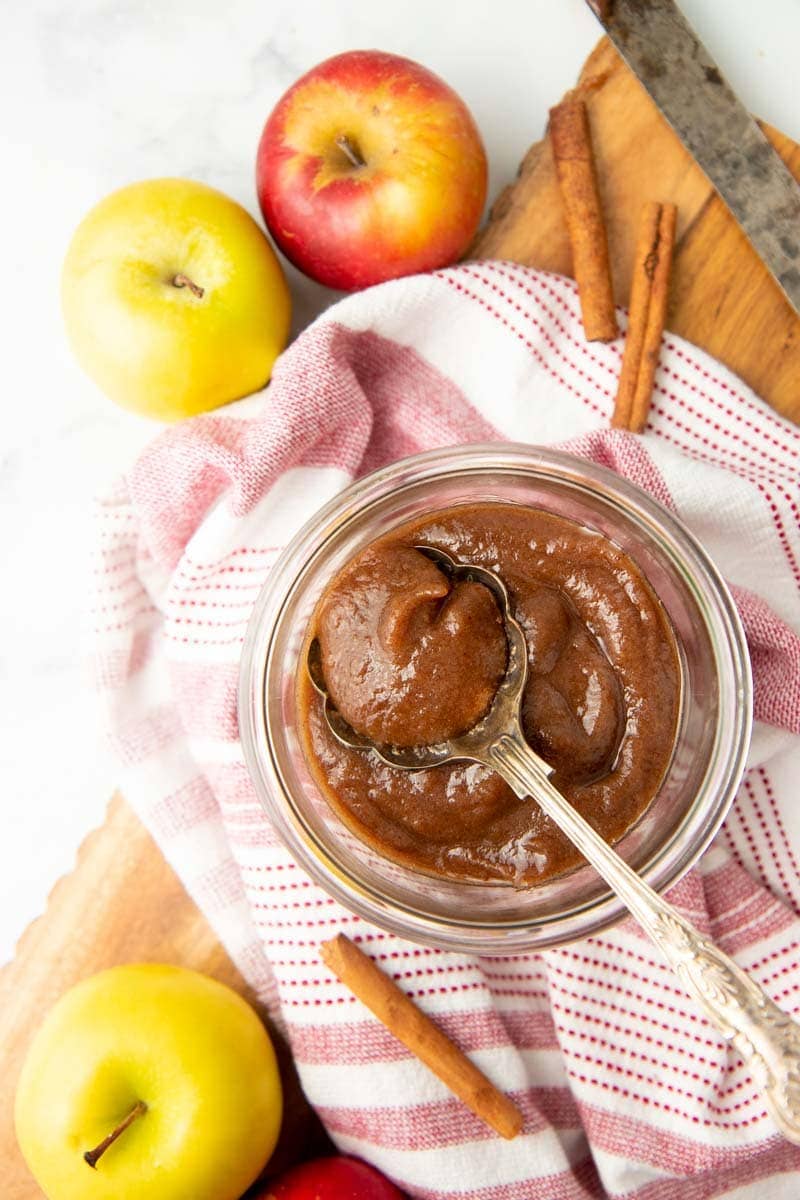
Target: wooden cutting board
[
  {"x": 723, "y": 297},
  {"x": 122, "y": 903}
]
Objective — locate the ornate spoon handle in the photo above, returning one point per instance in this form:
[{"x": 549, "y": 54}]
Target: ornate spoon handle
[{"x": 765, "y": 1036}]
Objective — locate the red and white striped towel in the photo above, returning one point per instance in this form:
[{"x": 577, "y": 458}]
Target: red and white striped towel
[{"x": 627, "y": 1091}]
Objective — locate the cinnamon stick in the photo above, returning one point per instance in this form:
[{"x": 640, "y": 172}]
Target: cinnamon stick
[
  {"x": 648, "y": 310},
  {"x": 572, "y": 151},
  {"x": 416, "y": 1031}
]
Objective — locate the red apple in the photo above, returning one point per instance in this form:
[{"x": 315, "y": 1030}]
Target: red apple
[
  {"x": 338, "y": 1178},
  {"x": 370, "y": 167}
]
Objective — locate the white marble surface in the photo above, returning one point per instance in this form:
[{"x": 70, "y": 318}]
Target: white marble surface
[{"x": 97, "y": 93}]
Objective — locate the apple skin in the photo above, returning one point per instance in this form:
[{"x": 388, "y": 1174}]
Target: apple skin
[
  {"x": 156, "y": 347},
  {"x": 415, "y": 204},
  {"x": 192, "y": 1049},
  {"x": 336, "y": 1178}
]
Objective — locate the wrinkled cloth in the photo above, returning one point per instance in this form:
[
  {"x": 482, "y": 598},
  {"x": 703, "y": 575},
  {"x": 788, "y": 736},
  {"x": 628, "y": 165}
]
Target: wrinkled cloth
[{"x": 627, "y": 1090}]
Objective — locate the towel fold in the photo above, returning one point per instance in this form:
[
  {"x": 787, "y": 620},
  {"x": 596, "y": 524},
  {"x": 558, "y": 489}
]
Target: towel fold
[{"x": 626, "y": 1089}]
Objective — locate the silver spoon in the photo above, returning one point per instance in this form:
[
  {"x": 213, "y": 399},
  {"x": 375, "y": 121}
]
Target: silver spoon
[{"x": 765, "y": 1036}]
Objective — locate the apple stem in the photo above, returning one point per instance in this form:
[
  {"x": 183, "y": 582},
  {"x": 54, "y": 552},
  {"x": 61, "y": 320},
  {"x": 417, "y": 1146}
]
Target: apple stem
[
  {"x": 349, "y": 150},
  {"x": 181, "y": 281},
  {"x": 92, "y": 1156}
]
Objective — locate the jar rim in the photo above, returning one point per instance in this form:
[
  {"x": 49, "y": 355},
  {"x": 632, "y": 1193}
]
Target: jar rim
[{"x": 698, "y": 573}]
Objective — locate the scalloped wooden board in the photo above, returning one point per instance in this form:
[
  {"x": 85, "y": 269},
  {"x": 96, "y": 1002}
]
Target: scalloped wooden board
[
  {"x": 722, "y": 296},
  {"x": 122, "y": 903}
]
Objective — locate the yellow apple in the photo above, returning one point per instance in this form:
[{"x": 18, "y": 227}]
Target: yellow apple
[
  {"x": 174, "y": 1064},
  {"x": 173, "y": 299}
]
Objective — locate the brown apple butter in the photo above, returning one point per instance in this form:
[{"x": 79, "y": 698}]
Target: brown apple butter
[{"x": 411, "y": 659}]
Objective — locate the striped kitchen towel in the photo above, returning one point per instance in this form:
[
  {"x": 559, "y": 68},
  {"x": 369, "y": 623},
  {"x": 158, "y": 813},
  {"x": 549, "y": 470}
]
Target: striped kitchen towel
[{"x": 626, "y": 1090}]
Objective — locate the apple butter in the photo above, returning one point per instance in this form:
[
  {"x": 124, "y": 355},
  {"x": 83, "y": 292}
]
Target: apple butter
[{"x": 411, "y": 658}]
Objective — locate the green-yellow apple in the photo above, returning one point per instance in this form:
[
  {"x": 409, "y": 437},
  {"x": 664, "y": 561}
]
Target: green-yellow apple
[
  {"x": 370, "y": 167},
  {"x": 148, "y": 1081},
  {"x": 173, "y": 299}
]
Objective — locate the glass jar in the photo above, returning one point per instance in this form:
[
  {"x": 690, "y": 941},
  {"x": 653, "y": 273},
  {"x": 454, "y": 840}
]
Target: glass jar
[{"x": 711, "y": 742}]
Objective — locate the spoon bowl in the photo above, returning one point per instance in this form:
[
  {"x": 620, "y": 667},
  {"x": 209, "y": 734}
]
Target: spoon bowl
[{"x": 503, "y": 713}]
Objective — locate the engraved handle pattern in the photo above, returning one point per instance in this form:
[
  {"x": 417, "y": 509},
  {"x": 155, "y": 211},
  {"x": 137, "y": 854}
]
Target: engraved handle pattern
[{"x": 765, "y": 1036}]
